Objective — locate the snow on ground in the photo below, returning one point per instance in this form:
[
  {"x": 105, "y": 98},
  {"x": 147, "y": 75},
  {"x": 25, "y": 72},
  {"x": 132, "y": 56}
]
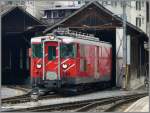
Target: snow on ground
[
  {"x": 9, "y": 92},
  {"x": 96, "y": 95}
]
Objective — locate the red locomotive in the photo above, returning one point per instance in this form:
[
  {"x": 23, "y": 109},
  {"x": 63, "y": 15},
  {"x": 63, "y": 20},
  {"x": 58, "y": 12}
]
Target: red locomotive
[{"x": 65, "y": 58}]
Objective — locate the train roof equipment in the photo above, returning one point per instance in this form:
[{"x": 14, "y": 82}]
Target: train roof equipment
[{"x": 68, "y": 36}]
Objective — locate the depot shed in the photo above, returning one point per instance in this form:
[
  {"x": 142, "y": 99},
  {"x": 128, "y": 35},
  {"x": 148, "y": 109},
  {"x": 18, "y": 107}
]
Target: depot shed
[
  {"x": 95, "y": 19},
  {"x": 18, "y": 26}
]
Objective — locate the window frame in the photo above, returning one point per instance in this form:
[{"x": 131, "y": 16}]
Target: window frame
[
  {"x": 138, "y": 5},
  {"x": 138, "y": 22},
  {"x": 53, "y": 55},
  {"x": 40, "y": 52},
  {"x": 74, "y": 49}
]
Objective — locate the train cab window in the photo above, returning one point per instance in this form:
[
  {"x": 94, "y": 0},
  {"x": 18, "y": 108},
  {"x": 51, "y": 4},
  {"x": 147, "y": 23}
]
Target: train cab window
[
  {"x": 67, "y": 50},
  {"x": 36, "y": 50},
  {"x": 51, "y": 52}
]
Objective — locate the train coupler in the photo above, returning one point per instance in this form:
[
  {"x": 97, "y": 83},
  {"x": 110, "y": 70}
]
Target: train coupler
[{"x": 34, "y": 94}]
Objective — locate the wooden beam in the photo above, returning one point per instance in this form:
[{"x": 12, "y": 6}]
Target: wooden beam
[
  {"x": 100, "y": 27},
  {"x": 84, "y": 15}
]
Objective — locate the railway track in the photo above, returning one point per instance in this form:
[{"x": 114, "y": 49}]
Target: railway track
[
  {"x": 15, "y": 99},
  {"x": 26, "y": 98},
  {"x": 110, "y": 102},
  {"x": 82, "y": 106},
  {"x": 120, "y": 103}
]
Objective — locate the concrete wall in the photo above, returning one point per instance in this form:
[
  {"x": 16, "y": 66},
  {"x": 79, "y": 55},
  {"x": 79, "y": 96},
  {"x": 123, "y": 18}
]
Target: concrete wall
[
  {"x": 137, "y": 65},
  {"x": 137, "y": 75},
  {"x": 37, "y": 7},
  {"x": 119, "y": 57}
]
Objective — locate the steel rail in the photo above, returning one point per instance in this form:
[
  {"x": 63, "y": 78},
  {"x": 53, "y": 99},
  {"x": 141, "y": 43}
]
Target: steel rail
[
  {"x": 26, "y": 98},
  {"x": 120, "y": 103},
  {"x": 13, "y": 99},
  {"x": 79, "y": 105},
  {"x": 112, "y": 101},
  {"x": 19, "y": 88}
]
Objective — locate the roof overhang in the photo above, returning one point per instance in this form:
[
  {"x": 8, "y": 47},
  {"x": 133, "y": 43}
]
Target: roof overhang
[{"x": 130, "y": 27}]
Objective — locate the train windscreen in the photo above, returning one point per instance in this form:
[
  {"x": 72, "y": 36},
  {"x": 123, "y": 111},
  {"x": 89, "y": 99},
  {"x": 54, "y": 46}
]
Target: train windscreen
[
  {"x": 36, "y": 50},
  {"x": 67, "y": 50}
]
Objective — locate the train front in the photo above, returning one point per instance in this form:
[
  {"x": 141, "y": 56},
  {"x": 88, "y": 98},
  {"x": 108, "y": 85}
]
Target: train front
[
  {"x": 50, "y": 61},
  {"x": 44, "y": 62}
]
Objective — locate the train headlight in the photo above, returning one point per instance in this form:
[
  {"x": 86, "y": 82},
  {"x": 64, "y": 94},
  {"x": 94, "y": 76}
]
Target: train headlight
[
  {"x": 64, "y": 66},
  {"x": 51, "y": 37},
  {"x": 38, "y": 66}
]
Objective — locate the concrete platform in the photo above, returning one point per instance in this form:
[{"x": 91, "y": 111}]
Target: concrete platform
[
  {"x": 10, "y": 92},
  {"x": 142, "y": 105},
  {"x": 136, "y": 82}
]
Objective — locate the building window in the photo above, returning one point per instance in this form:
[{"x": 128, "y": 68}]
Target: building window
[
  {"x": 104, "y": 3},
  {"x": 61, "y": 14},
  {"x": 109, "y": 2},
  {"x": 147, "y": 11},
  {"x": 58, "y": 6},
  {"x": 121, "y": 3},
  {"x": 55, "y": 14},
  {"x": 10, "y": 2},
  {"x": 79, "y": 2},
  {"x": 138, "y": 5},
  {"x": 22, "y": 3},
  {"x": 115, "y": 2},
  {"x": 86, "y": 2},
  {"x": 138, "y": 21},
  {"x": 49, "y": 14},
  {"x": 31, "y": 2},
  {"x": 142, "y": 3},
  {"x": 142, "y": 20}
]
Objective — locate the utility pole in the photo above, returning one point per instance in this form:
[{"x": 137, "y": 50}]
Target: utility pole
[
  {"x": 149, "y": 41},
  {"x": 124, "y": 32},
  {"x": 125, "y": 65},
  {"x": 0, "y": 42}
]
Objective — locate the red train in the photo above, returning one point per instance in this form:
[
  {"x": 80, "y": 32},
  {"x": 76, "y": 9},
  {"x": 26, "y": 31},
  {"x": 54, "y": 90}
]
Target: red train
[{"x": 65, "y": 58}]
